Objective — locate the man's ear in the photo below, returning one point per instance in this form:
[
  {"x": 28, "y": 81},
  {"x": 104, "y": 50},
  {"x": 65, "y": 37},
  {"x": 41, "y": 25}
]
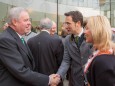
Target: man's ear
[
  {"x": 79, "y": 23},
  {"x": 14, "y": 22}
]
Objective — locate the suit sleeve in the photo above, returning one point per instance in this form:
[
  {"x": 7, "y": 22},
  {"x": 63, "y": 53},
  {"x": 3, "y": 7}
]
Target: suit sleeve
[
  {"x": 65, "y": 63},
  {"x": 14, "y": 63}
]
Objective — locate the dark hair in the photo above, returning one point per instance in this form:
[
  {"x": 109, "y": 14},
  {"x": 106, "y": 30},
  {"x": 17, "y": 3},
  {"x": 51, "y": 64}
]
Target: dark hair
[
  {"x": 76, "y": 16},
  {"x": 85, "y": 22}
]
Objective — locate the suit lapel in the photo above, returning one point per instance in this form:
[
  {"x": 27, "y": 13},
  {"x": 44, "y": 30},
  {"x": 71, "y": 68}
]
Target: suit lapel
[
  {"x": 17, "y": 38},
  {"x": 29, "y": 52},
  {"x": 73, "y": 44},
  {"x": 72, "y": 41},
  {"x": 20, "y": 44},
  {"x": 81, "y": 39}
]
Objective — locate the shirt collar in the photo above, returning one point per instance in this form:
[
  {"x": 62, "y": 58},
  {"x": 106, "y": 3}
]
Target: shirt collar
[
  {"x": 27, "y": 33},
  {"x": 19, "y": 35},
  {"x": 79, "y": 33},
  {"x": 46, "y": 31}
]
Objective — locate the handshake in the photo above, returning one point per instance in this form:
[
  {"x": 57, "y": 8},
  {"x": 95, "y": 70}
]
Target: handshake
[{"x": 54, "y": 79}]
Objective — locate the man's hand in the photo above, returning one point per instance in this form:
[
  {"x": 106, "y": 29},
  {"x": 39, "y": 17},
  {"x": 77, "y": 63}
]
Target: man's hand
[{"x": 54, "y": 79}]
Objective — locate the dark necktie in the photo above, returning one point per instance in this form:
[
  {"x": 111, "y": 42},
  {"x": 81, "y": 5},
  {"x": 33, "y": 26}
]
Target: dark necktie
[
  {"x": 76, "y": 39},
  {"x": 23, "y": 41}
]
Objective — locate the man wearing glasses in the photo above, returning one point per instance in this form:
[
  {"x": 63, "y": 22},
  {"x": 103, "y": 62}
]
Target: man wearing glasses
[{"x": 76, "y": 52}]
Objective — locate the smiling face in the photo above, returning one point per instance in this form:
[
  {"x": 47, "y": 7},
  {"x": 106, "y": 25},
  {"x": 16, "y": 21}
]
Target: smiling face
[
  {"x": 22, "y": 24},
  {"x": 98, "y": 32},
  {"x": 53, "y": 29}
]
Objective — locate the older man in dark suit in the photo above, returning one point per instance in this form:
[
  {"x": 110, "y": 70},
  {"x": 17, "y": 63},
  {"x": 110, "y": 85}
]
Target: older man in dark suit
[
  {"x": 47, "y": 50},
  {"x": 16, "y": 61}
]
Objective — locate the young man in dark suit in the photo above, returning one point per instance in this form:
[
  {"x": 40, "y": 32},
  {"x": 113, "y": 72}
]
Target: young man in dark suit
[
  {"x": 76, "y": 50},
  {"x": 16, "y": 60}
]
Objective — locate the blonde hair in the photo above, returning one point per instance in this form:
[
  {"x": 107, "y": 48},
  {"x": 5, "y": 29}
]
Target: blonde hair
[{"x": 101, "y": 32}]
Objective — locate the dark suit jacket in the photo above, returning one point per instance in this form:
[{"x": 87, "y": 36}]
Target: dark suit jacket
[
  {"x": 47, "y": 51},
  {"x": 102, "y": 71},
  {"x": 16, "y": 63}
]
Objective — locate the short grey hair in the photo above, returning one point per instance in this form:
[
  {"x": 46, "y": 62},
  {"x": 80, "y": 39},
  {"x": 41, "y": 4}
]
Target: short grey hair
[
  {"x": 46, "y": 23},
  {"x": 14, "y": 13},
  {"x": 54, "y": 23}
]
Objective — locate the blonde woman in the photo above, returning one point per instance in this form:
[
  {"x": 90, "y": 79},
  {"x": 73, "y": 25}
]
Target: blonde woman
[{"x": 100, "y": 67}]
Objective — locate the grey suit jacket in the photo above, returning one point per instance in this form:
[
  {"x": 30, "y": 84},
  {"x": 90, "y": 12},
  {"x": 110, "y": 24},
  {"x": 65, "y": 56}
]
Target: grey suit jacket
[
  {"x": 74, "y": 59},
  {"x": 30, "y": 35},
  {"x": 16, "y": 63}
]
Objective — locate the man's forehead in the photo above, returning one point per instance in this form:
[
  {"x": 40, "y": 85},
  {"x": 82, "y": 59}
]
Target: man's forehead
[{"x": 68, "y": 19}]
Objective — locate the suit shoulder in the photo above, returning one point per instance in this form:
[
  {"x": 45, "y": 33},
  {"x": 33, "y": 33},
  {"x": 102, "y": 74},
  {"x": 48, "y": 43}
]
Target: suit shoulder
[
  {"x": 33, "y": 38},
  {"x": 5, "y": 35},
  {"x": 67, "y": 38}
]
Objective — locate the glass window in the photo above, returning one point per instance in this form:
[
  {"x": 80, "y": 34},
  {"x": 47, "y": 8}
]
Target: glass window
[{"x": 48, "y": 8}]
